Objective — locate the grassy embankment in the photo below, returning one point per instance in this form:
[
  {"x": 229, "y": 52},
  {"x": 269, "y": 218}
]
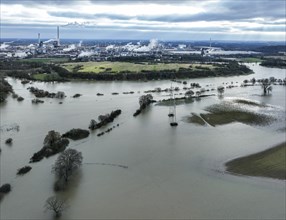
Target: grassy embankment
[
  {"x": 116, "y": 67},
  {"x": 269, "y": 163},
  {"x": 250, "y": 60}
]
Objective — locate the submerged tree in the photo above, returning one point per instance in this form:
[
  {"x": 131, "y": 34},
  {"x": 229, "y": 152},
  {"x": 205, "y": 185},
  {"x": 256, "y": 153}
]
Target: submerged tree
[
  {"x": 51, "y": 138},
  {"x": 189, "y": 94},
  {"x": 103, "y": 117},
  {"x": 253, "y": 81},
  {"x": 266, "y": 86},
  {"x": 66, "y": 163},
  {"x": 220, "y": 90},
  {"x": 92, "y": 124},
  {"x": 145, "y": 100},
  {"x": 56, "y": 204}
]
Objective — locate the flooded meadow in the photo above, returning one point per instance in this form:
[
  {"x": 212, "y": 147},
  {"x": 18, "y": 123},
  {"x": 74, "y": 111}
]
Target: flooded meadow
[{"x": 144, "y": 168}]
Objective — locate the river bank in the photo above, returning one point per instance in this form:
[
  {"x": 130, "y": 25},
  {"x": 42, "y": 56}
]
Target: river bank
[{"x": 269, "y": 163}]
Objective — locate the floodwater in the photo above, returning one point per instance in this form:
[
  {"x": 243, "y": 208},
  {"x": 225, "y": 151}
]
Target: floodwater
[{"x": 172, "y": 172}]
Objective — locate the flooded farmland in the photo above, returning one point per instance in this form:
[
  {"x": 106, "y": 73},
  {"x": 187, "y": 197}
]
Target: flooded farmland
[{"x": 160, "y": 172}]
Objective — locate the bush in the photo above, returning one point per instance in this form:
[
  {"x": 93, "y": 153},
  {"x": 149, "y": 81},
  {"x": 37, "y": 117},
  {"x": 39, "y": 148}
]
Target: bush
[
  {"x": 24, "y": 170},
  {"x": 76, "y": 134},
  {"x": 5, "y": 188},
  {"x": 9, "y": 141}
]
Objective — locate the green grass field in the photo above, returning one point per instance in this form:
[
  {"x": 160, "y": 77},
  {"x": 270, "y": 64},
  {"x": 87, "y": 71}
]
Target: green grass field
[
  {"x": 269, "y": 163},
  {"x": 115, "y": 67},
  {"x": 251, "y": 60},
  {"x": 228, "y": 112},
  {"x": 46, "y": 77}
]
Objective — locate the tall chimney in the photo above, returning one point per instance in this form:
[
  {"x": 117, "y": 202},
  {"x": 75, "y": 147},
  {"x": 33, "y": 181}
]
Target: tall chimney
[
  {"x": 39, "y": 38},
  {"x": 58, "y": 35}
]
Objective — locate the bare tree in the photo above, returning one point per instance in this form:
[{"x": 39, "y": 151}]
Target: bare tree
[
  {"x": 56, "y": 204},
  {"x": 66, "y": 163},
  {"x": 220, "y": 90},
  {"x": 266, "y": 86},
  {"x": 253, "y": 81}
]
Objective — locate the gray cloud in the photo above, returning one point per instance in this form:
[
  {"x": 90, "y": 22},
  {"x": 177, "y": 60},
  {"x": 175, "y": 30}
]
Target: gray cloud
[
  {"x": 99, "y": 2},
  {"x": 272, "y": 9},
  {"x": 115, "y": 32},
  {"x": 114, "y": 27},
  {"x": 209, "y": 29},
  {"x": 226, "y": 10},
  {"x": 279, "y": 28},
  {"x": 89, "y": 16},
  {"x": 40, "y": 2}
]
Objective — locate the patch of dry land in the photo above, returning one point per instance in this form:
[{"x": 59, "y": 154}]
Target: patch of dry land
[
  {"x": 269, "y": 163},
  {"x": 116, "y": 67},
  {"x": 238, "y": 110}
]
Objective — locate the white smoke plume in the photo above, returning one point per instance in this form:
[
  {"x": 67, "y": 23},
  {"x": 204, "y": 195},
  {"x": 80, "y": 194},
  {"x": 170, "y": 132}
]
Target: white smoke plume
[
  {"x": 20, "y": 54},
  {"x": 110, "y": 47},
  {"x": 31, "y": 46},
  {"x": 76, "y": 24},
  {"x": 5, "y": 45},
  {"x": 70, "y": 48},
  {"x": 48, "y": 41},
  {"x": 80, "y": 43},
  {"x": 86, "y": 54},
  {"x": 153, "y": 44},
  {"x": 130, "y": 47},
  {"x": 142, "y": 49}
]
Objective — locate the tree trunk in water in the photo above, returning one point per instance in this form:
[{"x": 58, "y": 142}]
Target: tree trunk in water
[{"x": 58, "y": 214}]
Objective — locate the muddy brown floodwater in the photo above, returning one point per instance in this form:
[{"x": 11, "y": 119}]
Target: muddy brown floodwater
[{"x": 163, "y": 172}]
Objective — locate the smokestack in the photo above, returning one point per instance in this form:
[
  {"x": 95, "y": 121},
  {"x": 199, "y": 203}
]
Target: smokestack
[
  {"x": 39, "y": 38},
  {"x": 58, "y": 35}
]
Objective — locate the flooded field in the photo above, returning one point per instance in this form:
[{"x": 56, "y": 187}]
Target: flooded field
[{"x": 144, "y": 168}]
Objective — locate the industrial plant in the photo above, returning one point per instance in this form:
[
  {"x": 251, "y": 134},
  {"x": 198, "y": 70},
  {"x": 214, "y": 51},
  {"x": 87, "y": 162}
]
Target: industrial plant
[{"x": 100, "y": 50}]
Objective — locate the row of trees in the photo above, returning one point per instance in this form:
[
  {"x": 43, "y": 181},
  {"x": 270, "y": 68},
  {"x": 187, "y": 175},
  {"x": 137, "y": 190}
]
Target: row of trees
[
  {"x": 266, "y": 84},
  {"x": 5, "y": 89}
]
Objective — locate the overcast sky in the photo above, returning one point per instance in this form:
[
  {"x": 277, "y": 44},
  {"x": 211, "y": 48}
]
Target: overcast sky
[{"x": 138, "y": 19}]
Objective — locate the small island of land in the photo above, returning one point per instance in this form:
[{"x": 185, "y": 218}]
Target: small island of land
[{"x": 269, "y": 163}]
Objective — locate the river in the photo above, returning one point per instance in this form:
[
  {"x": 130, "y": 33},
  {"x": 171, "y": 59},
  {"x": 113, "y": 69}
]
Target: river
[{"x": 172, "y": 173}]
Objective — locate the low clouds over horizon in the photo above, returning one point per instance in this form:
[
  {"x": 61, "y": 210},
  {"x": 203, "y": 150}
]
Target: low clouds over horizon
[{"x": 165, "y": 19}]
